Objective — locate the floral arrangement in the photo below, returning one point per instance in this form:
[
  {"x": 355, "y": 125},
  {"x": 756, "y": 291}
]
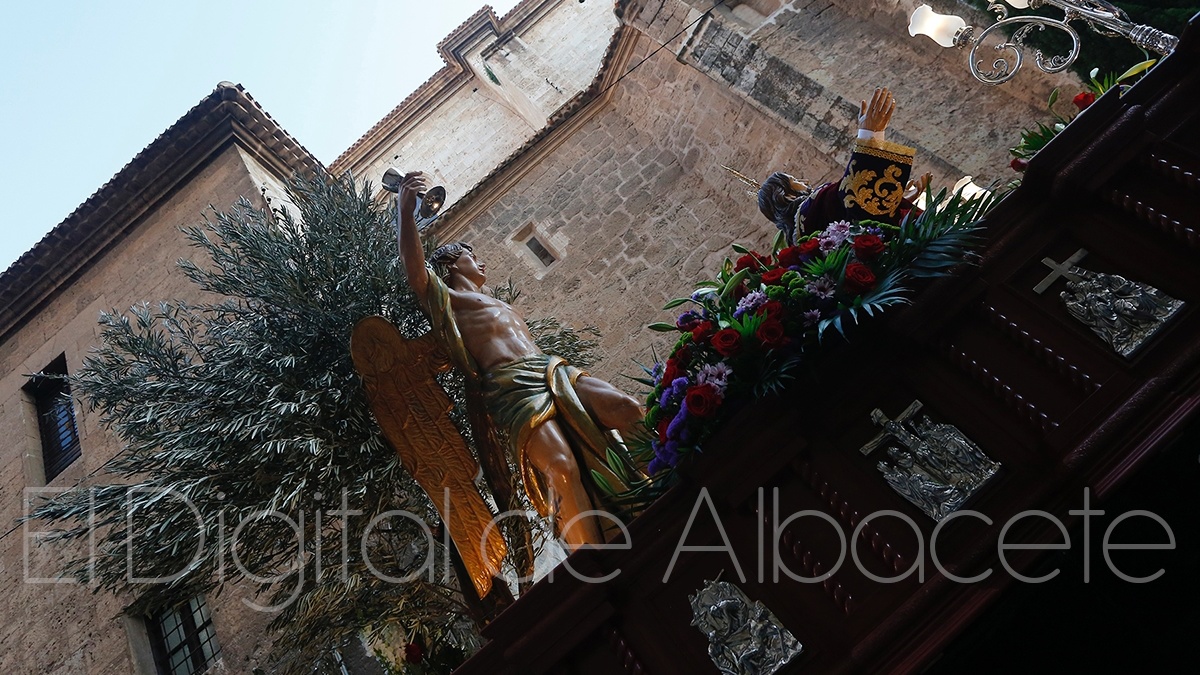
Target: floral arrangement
[
  {"x": 745, "y": 332},
  {"x": 1033, "y": 140}
]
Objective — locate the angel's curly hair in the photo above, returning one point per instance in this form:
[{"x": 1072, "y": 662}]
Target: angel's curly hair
[{"x": 444, "y": 256}]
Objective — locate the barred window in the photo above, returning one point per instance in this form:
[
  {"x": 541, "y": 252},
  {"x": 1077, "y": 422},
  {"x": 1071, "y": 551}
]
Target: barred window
[
  {"x": 56, "y": 417},
  {"x": 183, "y": 638}
]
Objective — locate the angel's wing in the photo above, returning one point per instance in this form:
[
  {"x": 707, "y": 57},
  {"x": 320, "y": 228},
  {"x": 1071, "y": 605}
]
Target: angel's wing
[{"x": 411, "y": 409}]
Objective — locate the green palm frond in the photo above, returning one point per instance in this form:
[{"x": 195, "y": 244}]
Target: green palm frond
[
  {"x": 930, "y": 244},
  {"x": 887, "y": 293},
  {"x": 777, "y": 372},
  {"x": 834, "y": 322},
  {"x": 641, "y": 494},
  {"x": 1033, "y": 140},
  {"x": 832, "y": 264},
  {"x": 603, "y": 484},
  {"x": 576, "y": 345}
]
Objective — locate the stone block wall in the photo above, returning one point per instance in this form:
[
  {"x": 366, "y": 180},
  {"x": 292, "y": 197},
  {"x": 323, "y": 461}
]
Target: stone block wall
[
  {"x": 637, "y": 207},
  {"x": 462, "y": 133},
  {"x": 810, "y": 62},
  {"x": 64, "y": 627},
  {"x": 557, "y": 57}
]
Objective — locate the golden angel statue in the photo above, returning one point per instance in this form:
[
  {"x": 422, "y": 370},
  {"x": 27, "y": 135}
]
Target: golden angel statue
[{"x": 555, "y": 415}]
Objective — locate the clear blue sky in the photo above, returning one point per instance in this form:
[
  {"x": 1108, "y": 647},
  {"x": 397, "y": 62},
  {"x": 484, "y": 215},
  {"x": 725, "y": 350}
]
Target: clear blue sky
[{"x": 85, "y": 86}]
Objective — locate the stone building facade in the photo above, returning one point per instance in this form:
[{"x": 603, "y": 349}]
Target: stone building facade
[
  {"x": 503, "y": 81},
  {"x": 118, "y": 249},
  {"x": 582, "y": 148},
  {"x": 620, "y": 202}
]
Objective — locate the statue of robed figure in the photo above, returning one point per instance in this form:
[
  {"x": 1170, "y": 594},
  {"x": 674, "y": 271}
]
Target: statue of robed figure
[{"x": 874, "y": 186}]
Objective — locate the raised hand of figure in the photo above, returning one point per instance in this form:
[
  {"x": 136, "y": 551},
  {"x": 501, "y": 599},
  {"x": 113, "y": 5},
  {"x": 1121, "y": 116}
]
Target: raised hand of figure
[
  {"x": 876, "y": 115},
  {"x": 916, "y": 187},
  {"x": 412, "y": 185}
]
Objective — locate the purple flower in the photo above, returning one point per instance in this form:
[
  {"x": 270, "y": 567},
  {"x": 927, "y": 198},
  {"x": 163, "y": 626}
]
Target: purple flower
[
  {"x": 716, "y": 374},
  {"x": 666, "y": 455},
  {"x": 687, "y": 320},
  {"x": 812, "y": 317},
  {"x": 676, "y": 427},
  {"x": 673, "y": 393},
  {"x": 679, "y": 387},
  {"x": 822, "y": 288},
  {"x": 656, "y": 373},
  {"x": 751, "y": 302},
  {"x": 838, "y": 228},
  {"x": 833, "y": 235}
]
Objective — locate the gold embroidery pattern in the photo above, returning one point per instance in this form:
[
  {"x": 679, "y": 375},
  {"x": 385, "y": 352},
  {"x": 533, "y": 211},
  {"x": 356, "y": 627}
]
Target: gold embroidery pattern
[
  {"x": 878, "y": 197},
  {"x": 892, "y": 152}
]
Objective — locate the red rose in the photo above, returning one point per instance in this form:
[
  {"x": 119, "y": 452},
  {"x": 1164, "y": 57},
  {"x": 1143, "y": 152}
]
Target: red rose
[
  {"x": 1019, "y": 164},
  {"x": 702, "y": 399},
  {"x": 789, "y": 256},
  {"x": 727, "y": 342},
  {"x": 770, "y": 334},
  {"x": 867, "y": 247},
  {"x": 1083, "y": 99},
  {"x": 772, "y": 277},
  {"x": 670, "y": 372},
  {"x": 808, "y": 247},
  {"x": 413, "y": 653},
  {"x": 683, "y": 356},
  {"x": 751, "y": 261},
  {"x": 662, "y": 429},
  {"x": 772, "y": 308},
  {"x": 859, "y": 277},
  {"x": 703, "y": 331}
]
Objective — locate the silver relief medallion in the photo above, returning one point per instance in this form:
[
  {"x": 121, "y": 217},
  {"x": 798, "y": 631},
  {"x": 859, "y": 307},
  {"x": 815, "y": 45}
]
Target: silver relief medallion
[
  {"x": 932, "y": 465},
  {"x": 1123, "y": 313},
  {"x": 744, "y": 637}
]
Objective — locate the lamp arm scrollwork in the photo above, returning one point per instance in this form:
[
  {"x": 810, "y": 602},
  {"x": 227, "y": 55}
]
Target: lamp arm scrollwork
[
  {"x": 1108, "y": 19},
  {"x": 1099, "y": 15},
  {"x": 1002, "y": 70}
]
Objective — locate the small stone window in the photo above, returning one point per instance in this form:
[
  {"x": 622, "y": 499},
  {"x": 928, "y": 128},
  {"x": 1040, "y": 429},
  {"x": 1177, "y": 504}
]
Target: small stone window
[
  {"x": 539, "y": 249},
  {"x": 183, "y": 639},
  {"x": 56, "y": 417}
]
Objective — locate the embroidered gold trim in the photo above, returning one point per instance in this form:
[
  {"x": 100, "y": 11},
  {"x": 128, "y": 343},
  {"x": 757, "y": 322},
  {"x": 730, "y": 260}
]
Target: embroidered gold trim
[
  {"x": 892, "y": 152},
  {"x": 878, "y": 197}
]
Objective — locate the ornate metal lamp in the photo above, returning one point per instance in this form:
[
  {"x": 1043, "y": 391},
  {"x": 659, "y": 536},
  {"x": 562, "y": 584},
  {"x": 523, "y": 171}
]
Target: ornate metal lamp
[
  {"x": 428, "y": 203},
  {"x": 1102, "y": 17}
]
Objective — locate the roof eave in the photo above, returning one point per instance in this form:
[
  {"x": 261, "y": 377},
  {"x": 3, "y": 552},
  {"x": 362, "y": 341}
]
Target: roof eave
[{"x": 227, "y": 115}]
